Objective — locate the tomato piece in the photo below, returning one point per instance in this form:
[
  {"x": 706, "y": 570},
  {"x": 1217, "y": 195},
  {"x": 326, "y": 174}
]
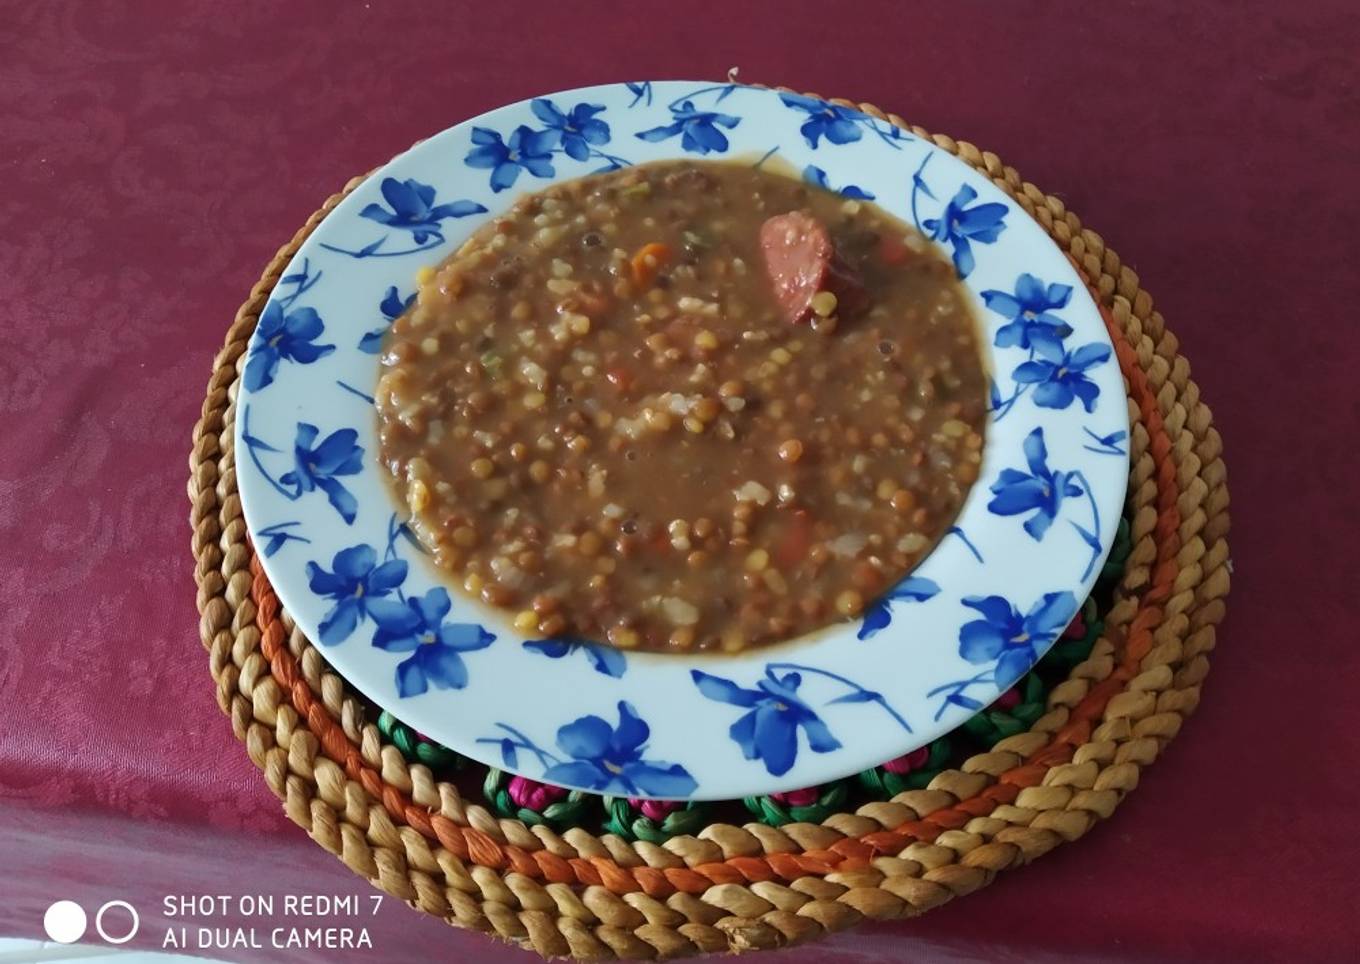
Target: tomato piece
[
  {"x": 793, "y": 547},
  {"x": 893, "y": 250},
  {"x": 620, "y": 378}
]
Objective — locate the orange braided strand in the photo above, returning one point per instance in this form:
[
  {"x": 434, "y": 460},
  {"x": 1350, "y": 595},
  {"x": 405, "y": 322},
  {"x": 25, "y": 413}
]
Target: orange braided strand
[{"x": 472, "y": 845}]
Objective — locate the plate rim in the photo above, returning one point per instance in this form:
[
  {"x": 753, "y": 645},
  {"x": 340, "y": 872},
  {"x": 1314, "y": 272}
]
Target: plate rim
[{"x": 849, "y": 760}]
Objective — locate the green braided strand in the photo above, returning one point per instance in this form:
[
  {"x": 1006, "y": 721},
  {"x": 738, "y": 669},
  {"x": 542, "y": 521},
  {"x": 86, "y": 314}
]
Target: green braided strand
[
  {"x": 993, "y": 725},
  {"x": 883, "y": 784},
  {"x": 623, "y": 820},
  {"x": 768, "y": 810},
  {"x": 577, "y": 809},
  {"x": 1067, "y": 652},
  {"x": 414, "y": 748},
  {"x": 1119, "y": 553}
]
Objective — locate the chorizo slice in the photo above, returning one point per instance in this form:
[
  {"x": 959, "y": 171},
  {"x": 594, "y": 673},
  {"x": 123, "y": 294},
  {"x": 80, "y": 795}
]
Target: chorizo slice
[{"x": 801, "y": 260}]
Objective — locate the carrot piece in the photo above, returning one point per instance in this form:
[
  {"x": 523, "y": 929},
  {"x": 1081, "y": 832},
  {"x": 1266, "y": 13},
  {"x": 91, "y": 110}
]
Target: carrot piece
[{"x": 647, "y": 261}]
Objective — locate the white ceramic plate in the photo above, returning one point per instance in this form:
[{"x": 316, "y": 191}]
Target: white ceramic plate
[{"x": 966, "y": 624}]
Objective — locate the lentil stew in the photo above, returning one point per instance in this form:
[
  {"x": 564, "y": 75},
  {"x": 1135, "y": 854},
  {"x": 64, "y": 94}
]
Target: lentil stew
[{"x": 684, "y": 406}]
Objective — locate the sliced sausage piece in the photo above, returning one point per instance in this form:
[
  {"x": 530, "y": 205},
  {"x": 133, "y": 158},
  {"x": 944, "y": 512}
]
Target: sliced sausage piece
[{"x": 801, "y": 261}]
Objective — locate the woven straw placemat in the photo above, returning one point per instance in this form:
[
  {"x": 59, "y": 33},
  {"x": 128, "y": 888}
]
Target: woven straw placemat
[{"x": 380, "y": 808}]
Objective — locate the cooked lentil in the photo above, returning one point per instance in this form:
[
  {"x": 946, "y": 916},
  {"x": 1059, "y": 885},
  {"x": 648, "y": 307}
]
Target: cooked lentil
[{"x": 621, "y": 435}]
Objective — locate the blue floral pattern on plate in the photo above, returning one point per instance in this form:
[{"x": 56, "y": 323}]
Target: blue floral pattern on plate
[
  {"x": 777, "y": 713},
  {"x": 838, "y": 124},
  {"x": 360, "y": 588},
  {"x": 879, "y": 613},
  {"x": 316, "y": 466},
  {"x": 579, "y": 132},
  {"x": 1040, "y": 491},
  {"x": 319, "y": 465},
  {"x": 1056, "y": 373},
  {"x": 1006, "y": 642},
  {"x": 436, "y": 645},
  {"x": 938, "y": 646},
  {"x": 964, "y": 223},
  {"x": 284, "y": 337},
  {"x": 277, "y": 536},
  {"x": 700, "y": 131},
  {"x": 392, "y": 306},
  {"x": 605, "y": 659},
  {"x": 1030, "y": 310},
  {"x": 601, "y": 757},
  {"x": 285, "y": 333},
  {"x": 815, "y": 175},
  {"x": 1039, "y": 495},
  {"x": 526, "y": 150},
  {"x": 410, "y": 207},
  {"x": 641, "y": 91},
  {"x": 1107, "y": 444},
  {"x": 1059, "y": 376}
]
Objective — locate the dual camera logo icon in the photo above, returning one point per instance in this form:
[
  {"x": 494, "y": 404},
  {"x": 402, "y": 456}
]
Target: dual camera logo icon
[{"x": 65, "y": 922}]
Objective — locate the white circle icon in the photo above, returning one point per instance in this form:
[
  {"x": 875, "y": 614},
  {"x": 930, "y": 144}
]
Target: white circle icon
[
  {"x": 64, "y": 922},
  {"x": 99, "y": 922}
]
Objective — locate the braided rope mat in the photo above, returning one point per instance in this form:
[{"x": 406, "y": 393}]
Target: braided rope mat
[{"x": 753, "y": 886}]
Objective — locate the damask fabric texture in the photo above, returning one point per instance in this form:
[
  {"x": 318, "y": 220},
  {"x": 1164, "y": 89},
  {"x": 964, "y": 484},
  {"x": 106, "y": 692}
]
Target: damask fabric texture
[{"x": 152, "y": 171}]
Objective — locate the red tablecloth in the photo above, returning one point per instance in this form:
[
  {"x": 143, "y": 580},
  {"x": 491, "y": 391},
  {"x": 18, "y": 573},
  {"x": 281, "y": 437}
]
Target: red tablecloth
[{"x": 154, "y": 157}]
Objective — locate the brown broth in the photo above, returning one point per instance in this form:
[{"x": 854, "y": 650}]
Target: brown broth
[{"x": 634, "y": 445}]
